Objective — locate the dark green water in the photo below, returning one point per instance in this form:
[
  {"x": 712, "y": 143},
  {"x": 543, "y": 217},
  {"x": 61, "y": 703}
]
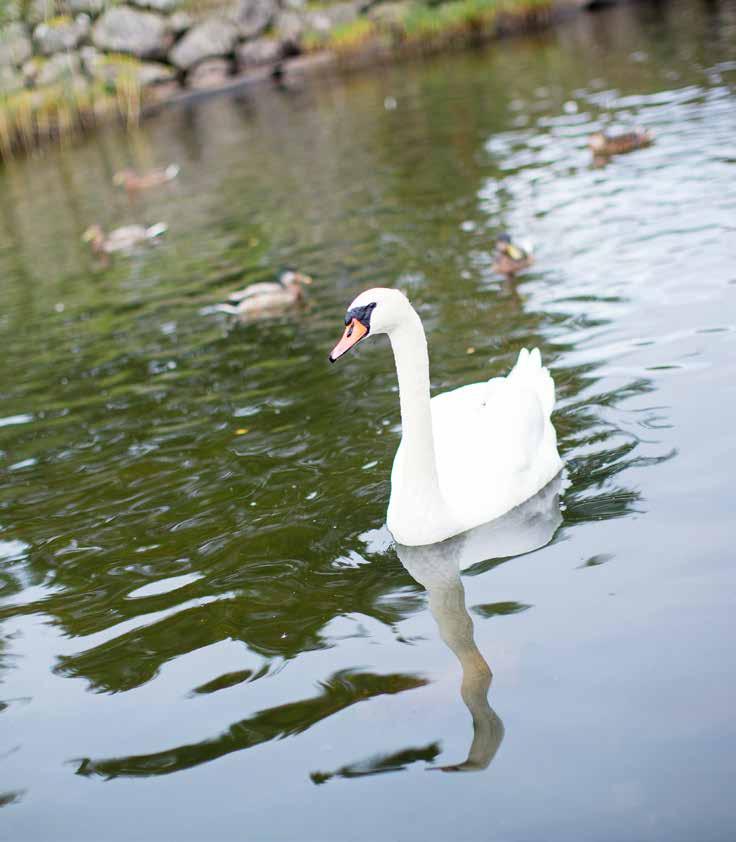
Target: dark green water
[{"x": 205, "y": 634}]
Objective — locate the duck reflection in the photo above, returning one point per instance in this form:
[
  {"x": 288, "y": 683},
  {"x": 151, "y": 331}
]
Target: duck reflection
[{"x": 437, "y": 567}]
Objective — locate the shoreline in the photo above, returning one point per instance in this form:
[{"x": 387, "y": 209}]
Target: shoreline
[{"x": 379, "y": 34}]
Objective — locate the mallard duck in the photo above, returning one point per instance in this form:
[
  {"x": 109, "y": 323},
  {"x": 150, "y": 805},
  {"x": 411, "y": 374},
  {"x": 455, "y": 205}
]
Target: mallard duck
[
  {"x": 121, "y": 239},
  {"x": 131, "y": 181},
  {"x": 603, "y": 145},
  {"x": 510, "y": 258},
  {"x": 268, "y": 298}
]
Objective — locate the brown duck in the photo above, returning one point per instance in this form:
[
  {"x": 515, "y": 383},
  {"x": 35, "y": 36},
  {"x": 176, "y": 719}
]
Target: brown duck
[
  {"x": 267, "y": 299},
  {"x": 510, "y": 258},
  {"x": 124, "y": 239},
  {"x": 132, "y": 181},
  {"x": 604, "y": 145}
]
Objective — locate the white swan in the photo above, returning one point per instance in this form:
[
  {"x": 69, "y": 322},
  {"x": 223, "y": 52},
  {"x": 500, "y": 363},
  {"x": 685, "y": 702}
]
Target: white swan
[{"x": 466, "y": 456}]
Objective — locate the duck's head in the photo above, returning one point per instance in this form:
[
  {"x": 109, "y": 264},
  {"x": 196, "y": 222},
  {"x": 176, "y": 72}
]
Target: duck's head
[
  {"x": 292, "y": 278},
  {"x": 121, "y": 179},
  {"x": 377, "y": 310},
  {"x": 597, "y": 142},
  {"x": 505, "y": 246},
  {"x": 94, "y": 235}
]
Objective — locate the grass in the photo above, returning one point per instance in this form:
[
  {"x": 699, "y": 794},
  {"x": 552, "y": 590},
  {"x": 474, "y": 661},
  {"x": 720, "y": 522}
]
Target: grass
[
  {"x": 343, "y": 38},
  {"x": 428, "y": 25},
  {"x": 29, "y": 118}
]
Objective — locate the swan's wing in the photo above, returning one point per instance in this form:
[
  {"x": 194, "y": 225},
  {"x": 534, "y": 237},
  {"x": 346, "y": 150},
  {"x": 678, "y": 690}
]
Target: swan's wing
[
  {"x": 493, "y": 429},
  {"x": 494, "y": 443}
]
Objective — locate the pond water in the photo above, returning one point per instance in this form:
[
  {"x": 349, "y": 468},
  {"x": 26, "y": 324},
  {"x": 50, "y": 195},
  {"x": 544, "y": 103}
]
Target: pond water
[{"x": 206, "y": 632}]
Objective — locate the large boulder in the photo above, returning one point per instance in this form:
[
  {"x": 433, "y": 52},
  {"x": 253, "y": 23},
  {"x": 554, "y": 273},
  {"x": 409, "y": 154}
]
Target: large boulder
[
  {"x": 210, "y": 73},
  {"x": 259, "y": 52},
  {"x": 213, "y": 38},
  {"x": 60, "y": 34},
  {"x": 15, "y": 45},
  {"x": 252, "y": 17},
  {"x": 125, "y": 30}
]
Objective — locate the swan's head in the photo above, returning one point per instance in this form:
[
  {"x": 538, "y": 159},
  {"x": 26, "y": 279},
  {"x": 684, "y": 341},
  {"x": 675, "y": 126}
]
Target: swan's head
[{"x": 377, "y": 310}]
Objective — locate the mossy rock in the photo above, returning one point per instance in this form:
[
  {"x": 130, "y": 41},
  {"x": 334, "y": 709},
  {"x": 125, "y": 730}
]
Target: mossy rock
[{"x": 15, "y": 45}]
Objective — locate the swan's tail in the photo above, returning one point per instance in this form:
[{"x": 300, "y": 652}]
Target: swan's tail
[{"x": 529, "y": 370}]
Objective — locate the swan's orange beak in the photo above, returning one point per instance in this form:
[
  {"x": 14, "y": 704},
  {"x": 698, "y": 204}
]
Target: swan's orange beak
[{"x": 354, "y": 332}]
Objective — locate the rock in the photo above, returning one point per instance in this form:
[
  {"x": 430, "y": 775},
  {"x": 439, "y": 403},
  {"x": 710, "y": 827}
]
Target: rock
[
  {"x": 109, "y": 69},
  {"x": 290, "y": 27},
  {"x": 93, "y": 8},
  {"x": 11, "y": 80},
  {"x": 15, "y": 45},
  {"x": 125, "y": 30},
  {"x": 165, "y": 7},
  {"x": 60, "y": 34},
  {"x": 212, "y": 38},
  {"x": 259, "y": 52},
  {"x": 47, "y": 71},
  {"x": 211, "y": 73},
  {"x": 180, "y": 22},
  {"x": 252, "y": 17}
]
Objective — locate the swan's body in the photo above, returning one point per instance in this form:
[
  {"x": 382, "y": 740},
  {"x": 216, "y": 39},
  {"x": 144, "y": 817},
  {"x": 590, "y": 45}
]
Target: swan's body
[{"x": 466, "y": 456}]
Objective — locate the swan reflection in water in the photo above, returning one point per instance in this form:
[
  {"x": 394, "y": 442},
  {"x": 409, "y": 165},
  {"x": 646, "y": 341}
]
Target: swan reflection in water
[{"x": 437, "y": 567}]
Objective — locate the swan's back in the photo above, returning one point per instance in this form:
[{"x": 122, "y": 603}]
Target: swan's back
[{"x": 495, "y": 445}]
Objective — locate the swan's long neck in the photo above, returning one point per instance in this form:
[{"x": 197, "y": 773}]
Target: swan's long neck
[{"x": 409, "y": 345}]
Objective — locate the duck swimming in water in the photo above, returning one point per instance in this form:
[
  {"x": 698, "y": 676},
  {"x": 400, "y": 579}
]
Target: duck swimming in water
[
  {"x": 132, "y": 181},
  {"x": 123, "y": 239},
  {"x": 267, "y": 299},
  {"x": 603, "y": 145},
  {"x": 510, "y": 258}
]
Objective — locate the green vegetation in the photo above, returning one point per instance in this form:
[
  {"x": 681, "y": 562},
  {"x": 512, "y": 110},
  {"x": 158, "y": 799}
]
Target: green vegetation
[
  {"x": 31, "y": 117},
  {"x": 429, "y": 25},
  {"x": 344, "y": 37}
]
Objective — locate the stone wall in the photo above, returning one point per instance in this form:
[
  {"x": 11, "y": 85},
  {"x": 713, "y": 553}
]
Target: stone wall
[{"x": 165, "y": 44}]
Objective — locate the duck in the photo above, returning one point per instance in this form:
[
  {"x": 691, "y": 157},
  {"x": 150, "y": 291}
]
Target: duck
[
  {"x": 466, "y": 456},
  {"x": 604, "y": 145},
  {"x": 266, "y": 299},
  {"x": 121, "y": 239},
  {"x": 510, "y": 258},
  {"x": 132, "y": 181}
]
